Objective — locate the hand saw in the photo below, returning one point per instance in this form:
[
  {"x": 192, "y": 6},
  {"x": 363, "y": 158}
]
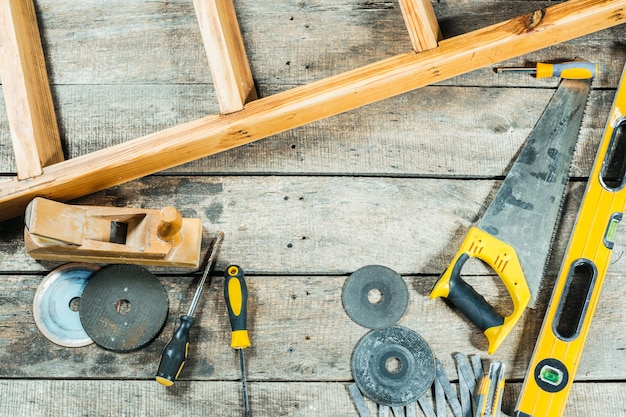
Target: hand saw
[
  {"x": 515, "y": 234},
  {"x": 577, "y": 289}
]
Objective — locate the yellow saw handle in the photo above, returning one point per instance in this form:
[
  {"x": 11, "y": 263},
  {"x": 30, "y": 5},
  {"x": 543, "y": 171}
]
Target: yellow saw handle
[{"x": 502, "y": 258}]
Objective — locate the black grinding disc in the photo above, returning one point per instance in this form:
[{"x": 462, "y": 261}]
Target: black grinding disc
[
  {"x": 123, "y": 307},
  {"x": 375, "y": 296},
  {"x": 393, "y": 366}
]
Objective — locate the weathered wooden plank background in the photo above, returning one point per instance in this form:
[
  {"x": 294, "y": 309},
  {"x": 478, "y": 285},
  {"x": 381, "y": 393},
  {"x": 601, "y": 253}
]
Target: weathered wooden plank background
[{"x": 396, "y": 183}]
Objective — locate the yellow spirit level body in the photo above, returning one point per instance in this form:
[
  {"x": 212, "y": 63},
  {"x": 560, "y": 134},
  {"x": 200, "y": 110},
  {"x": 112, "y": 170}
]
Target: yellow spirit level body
[{"x": 577, "y": 289}]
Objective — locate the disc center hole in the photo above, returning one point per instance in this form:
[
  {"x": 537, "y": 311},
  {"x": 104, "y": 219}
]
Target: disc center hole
[
  {"x": 122, "y": 306},
  {"x": 393, "y": 365},
  {"x": 375, "y": 296},
  {"x": 74, "y": 304}
]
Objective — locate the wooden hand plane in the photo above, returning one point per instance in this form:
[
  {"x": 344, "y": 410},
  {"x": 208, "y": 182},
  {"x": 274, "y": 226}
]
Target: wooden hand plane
[{"x": 72, "y": 233}]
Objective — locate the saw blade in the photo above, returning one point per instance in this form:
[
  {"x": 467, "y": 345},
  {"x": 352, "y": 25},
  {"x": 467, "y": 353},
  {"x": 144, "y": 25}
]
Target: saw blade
[
  {"x": 393, "y": 366},
  {"x": 123, "y": 307},
  {"x": 54, "y": 311},
  {"x": 525, "y": 211},
  {"x": 375, "y": 296}
]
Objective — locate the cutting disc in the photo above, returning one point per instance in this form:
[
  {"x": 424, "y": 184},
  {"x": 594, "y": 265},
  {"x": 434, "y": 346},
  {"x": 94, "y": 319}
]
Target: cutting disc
[
  {"x": 55, "y": 304},
  {"x": 123, "y": 307},
  {"x": 393, "y": 366},
  {"x": 375, "y": 296}
]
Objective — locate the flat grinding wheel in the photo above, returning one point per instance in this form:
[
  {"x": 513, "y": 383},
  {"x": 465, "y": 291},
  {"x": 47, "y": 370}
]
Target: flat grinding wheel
[
  {"x": 56, "y": 304},
  {"x": 123, "y": 307},
  {"x": 375, "y": 296},
  {"x": 393, "y": 366}
]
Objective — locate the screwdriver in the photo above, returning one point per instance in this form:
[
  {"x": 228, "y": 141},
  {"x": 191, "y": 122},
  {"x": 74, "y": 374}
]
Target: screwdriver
[
  {"x": 175, "y": 353},
  {"x": 574, "y": 70},
  {"x": 236, "y": 296}
]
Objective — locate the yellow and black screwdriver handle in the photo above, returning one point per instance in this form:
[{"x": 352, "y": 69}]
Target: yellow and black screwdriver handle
[
  {"x": 236, "y": 296},
  {"x": 502, "y": 258},
  {"x": 175, "y": 353}
]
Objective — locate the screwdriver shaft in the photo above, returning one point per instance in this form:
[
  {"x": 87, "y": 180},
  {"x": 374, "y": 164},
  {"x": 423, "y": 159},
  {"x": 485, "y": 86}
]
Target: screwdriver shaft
[
  {"x": 175, "y": 353},
  {"x": 196, "y": 297},
  {"x": 242, "y": 363},
  {"x": 576, "y": 70}
]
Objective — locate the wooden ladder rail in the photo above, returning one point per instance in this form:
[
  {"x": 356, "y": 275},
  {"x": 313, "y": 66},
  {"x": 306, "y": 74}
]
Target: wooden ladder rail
[
  {"x": 320, "y": 99},
  {"x": 30, "y": 109}
]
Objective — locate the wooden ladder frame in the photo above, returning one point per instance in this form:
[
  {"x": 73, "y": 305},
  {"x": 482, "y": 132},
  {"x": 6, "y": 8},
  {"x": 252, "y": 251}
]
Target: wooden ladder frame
[{"x": 244, "y": 118}]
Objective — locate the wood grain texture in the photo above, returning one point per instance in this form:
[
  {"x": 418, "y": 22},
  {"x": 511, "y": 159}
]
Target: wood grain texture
[
  {"x": 302, "y": 105},
  {"x": 136, "y": 398},
  {"x": 225, "y": 50},
  {"x": 299, "y": 332},
  {"x": 421, "y": 23},
  {"x": 317, "y": 225},
  {"x": 425, "y": 133},
  {"x": 105, "y": 52},
  {"x": 67, "y": 232},
  {"x": 397, "y": 182},
  {"x": 288, "y": 43},
  {"x": 32, "y": 121}
]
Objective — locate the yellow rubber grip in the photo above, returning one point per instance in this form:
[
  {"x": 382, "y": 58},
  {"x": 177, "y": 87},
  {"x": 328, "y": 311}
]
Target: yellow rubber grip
[
  {"x": 544, "y": 70},
  {"x": 503, "y": 259},
  {"x": 576, "y": 70},
  {"x": 235, "y": 296},
  {"x": 164, "y": 381},
  {"x": 240, "y": 339}
]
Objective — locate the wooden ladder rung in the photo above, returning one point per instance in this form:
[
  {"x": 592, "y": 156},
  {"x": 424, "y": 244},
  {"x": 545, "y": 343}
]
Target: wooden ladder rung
[
  {"x": 422, "y": 24},
  {"x": 225, "y": 50}
]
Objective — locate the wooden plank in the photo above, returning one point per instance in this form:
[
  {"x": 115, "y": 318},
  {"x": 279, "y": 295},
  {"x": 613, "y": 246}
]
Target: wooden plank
[
  {"x": 28, "y": 100},
  {"x": 297, "y": 318},
  {"x": 314, "y": 224},
  {"x": 428, "y": 132},
  {"x": 421, "y": 22},
  {"x": 287, "y": 43},
  {"x": 138, "y": 398},
  {"x": 320, "y": 225},
  {"x": 294, "y": 325},
  {"x": 224, "y": 47},
  {"x": 301, "y": 105}
]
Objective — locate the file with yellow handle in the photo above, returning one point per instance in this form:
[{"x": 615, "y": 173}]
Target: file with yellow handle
[
  {"x": 515, "y": 234},
  {"x": 574, "y": 70}
]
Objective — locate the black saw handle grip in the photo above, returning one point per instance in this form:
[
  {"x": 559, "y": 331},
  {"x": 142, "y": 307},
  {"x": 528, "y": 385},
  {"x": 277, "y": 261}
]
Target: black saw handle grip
[
  {"x": 503, "y": 259},
  {"x": 469, "y": 301}
]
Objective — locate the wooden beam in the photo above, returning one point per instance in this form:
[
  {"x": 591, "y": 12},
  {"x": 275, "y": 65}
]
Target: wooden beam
[
  {"x": 422, "y": 24},
  {"x": 298, "y": 106},
  {"x": 33, "y": 124},
  {"x": 224, "y": 47}
]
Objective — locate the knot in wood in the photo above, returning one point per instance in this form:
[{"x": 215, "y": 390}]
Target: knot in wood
[{"x": 535, "y": 18}]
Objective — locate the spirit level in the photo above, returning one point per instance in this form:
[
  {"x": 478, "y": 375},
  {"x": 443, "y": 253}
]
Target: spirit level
[{"x": 577, "y": 289}]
